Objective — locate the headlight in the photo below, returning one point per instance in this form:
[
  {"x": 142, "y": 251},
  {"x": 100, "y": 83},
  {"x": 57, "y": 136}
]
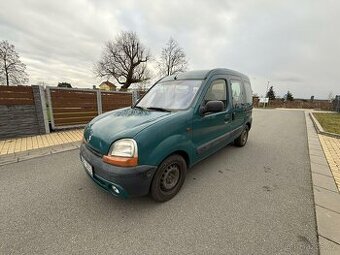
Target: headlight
[
  {"x": 124, "y": 148},
  {"x": 123, "y": 152}
]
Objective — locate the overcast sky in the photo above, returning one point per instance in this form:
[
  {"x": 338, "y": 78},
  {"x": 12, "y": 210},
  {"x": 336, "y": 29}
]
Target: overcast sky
[{"x": 292, "y": 44}]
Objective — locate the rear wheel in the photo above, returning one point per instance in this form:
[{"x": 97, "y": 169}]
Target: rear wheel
[
  {"x": 169, "y": 178},
  {"x": 243, "y": 138}
]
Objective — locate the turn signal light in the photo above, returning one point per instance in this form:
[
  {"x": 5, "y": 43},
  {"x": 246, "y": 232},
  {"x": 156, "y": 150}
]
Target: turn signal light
[{"x": 120, "y": 161}]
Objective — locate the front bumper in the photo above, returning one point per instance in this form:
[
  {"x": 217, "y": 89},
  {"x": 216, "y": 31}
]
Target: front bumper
[{"x": 130, "y": 181}]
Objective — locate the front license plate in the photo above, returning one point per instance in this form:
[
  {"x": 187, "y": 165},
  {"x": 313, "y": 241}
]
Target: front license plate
[{"x": 87, "y": 166}]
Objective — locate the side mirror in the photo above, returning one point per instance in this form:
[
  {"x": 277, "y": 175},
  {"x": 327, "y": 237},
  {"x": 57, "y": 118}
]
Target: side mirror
[{"x": 212, "y": 106}]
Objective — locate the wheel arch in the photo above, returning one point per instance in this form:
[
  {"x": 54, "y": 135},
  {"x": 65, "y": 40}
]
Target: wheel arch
[{"x": 183, "y": 154}]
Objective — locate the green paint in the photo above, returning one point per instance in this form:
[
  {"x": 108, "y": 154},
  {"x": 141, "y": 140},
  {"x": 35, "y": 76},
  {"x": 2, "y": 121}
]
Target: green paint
[{"x": 188, "y": 132}]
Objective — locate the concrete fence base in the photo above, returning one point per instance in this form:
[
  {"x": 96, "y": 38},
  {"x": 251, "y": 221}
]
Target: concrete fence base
[{"x": 22, "y": 111}]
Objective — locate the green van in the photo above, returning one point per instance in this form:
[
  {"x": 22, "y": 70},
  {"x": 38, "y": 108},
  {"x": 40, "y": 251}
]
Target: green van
[{"x": 181, "y": 120}]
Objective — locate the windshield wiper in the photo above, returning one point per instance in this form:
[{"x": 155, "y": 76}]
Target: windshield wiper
[
  {"x": 139, "y": 107},
  {"x": 158, "y": 109}
]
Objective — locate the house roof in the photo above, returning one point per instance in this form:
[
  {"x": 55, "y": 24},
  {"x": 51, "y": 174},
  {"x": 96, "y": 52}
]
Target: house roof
[{"x": 110, "y": 84}]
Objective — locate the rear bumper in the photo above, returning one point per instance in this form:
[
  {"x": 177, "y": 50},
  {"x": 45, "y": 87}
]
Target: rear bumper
[{"x": 130, "y": 181}]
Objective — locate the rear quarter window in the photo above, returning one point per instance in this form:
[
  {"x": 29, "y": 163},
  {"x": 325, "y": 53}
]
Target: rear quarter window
[
  {"x": 236, "y": 92},
  {"x": 249, "y": 93}
]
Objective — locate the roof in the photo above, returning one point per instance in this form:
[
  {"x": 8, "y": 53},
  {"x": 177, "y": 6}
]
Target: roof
[
  {"x": 110, "y": 84},
  {"x": 203, "y": 74}
]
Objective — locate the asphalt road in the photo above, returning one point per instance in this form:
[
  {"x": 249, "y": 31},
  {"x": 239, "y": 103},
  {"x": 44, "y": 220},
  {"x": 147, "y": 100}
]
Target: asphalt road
[{"x": 252, "y": 200}]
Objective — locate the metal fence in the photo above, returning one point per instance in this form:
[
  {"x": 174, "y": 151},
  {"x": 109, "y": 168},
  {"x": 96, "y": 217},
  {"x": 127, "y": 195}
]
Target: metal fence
[{"x": 336, "y": 103}]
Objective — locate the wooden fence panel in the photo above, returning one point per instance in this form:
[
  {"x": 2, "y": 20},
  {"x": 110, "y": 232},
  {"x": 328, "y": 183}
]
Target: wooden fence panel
[
  {"x": 72, "y": 107},
  {"x": 21, "y": 111},
  {"x": 16, "y": 95},
  {"x": 115, "y": 100},
  {"x": 77, "y": 107}
]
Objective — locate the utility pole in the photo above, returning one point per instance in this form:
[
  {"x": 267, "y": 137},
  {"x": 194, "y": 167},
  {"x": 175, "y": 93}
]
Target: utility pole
[
  {"x": 267, "y": 88},
  {"x": 265, "y": 95}
]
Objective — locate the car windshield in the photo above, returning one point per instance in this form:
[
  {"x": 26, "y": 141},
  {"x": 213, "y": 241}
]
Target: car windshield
[{"x": 170, "y": 95}]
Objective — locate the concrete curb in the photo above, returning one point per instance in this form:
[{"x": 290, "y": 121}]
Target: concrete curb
[
  {"x": 319, "y": 128},
  {"x": 326, "y": 195}
]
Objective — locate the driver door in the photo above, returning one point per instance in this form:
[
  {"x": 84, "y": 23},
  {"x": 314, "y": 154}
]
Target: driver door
[{"x": 210, "y": 131}]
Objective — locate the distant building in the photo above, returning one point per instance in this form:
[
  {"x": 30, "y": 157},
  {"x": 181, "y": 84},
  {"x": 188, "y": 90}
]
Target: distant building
[{"x": 106, "y": 85}]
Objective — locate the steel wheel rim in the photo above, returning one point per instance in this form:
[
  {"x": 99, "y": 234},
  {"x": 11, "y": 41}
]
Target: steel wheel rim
[
  {"x": 170, "y": 177},
  {"x": 244, "y": 136}
]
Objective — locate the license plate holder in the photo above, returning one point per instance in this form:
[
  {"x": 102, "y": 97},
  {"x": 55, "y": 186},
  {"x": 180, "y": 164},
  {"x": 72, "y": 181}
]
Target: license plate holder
[{"x": 87, "y": 166}]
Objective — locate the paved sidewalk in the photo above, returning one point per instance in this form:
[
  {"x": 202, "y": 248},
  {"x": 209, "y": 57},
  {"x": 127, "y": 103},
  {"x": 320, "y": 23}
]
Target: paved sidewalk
[
  {"x": 326, "y": 195},
  {"x": 16, "y": 145},
  {"x": 19, "y": 149},
  {"x": 331, "y": 147}
]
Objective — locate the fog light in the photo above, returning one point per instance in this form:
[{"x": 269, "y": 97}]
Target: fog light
[{"x": 115, "y": 189}]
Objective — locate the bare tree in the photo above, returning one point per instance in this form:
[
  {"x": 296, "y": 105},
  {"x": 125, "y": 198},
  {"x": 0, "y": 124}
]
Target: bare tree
[
  {"x": 124, "y": 59},
  {"x": 173, "y": 59},
  {"x": 12, "y": 70},
  {"x": 330, "y": 96}
]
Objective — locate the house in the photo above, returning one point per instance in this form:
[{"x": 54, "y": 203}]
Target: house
[{"x": 106, "y": 85}]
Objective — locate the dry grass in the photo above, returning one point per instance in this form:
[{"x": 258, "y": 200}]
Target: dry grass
[{"x": 330, "y": 122}]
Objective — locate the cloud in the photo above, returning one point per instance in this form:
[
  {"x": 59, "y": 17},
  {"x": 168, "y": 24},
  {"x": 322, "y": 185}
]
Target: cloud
[{"x": 292, "y": 44}]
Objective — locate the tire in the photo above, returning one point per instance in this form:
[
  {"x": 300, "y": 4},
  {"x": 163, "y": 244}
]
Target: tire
[
  {"x": 168, "y": 178},
  {"x": 243, "y": 138}
]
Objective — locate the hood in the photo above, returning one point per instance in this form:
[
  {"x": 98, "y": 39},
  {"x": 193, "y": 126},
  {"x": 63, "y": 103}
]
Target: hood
[{"x": 123, "y": 123}]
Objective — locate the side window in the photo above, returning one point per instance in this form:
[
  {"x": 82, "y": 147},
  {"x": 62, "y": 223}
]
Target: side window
[
  {"x": 236, "y": 92},
  {"x": 249, "y": 92},
  {"x": 217, "y": 92}
]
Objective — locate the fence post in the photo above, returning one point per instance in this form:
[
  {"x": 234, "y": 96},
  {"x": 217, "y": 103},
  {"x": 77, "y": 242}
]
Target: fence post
[
  {"x": 134, "y": 97},
  {"x": 44, "y": 108},
  {"x": 40, "y": 107},
  {"x": 50, "y": 107},
  {"x": 99, "y": 102},
  {"x": 337, "y": 103}
]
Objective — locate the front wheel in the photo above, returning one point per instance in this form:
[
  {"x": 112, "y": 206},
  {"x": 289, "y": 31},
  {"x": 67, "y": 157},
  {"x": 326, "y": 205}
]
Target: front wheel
[
  {"x": 168, "y": 178},
  {"x": 243, "y": 138}
]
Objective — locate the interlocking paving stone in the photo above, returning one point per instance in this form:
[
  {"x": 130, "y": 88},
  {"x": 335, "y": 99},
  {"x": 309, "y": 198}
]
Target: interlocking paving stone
[
  {"x": 18, "y": 145},
  {"x": 331, "y": 147},
  {"x": 21, "y": 156}
]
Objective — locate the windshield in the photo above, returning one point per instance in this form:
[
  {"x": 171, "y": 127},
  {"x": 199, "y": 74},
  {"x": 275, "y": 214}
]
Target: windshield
[{"x": 171, "y": 95}]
